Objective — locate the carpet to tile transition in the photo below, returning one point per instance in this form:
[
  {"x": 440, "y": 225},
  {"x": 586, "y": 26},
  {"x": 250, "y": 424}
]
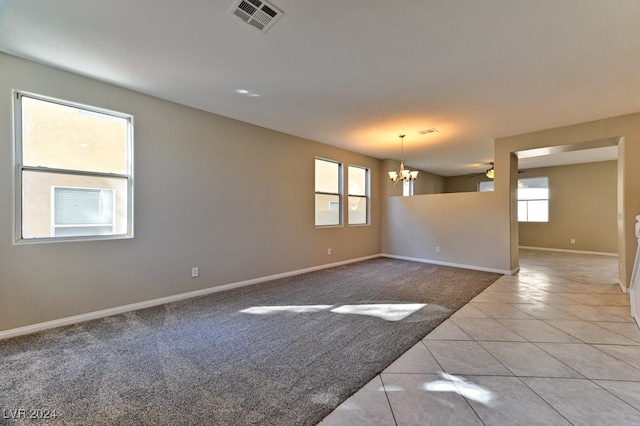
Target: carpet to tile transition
[{"x": 285, "y": 352}]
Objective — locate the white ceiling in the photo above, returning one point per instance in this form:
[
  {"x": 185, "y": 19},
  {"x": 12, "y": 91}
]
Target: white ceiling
[{"x": 357, "y": 73}]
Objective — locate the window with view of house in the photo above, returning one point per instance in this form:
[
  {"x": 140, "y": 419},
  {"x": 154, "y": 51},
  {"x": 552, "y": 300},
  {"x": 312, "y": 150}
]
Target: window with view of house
[
  {"x": 358, "y": 195},
  {"x": 75, "y": 171},
  {"x": 328, "y": 183},
  {"x": 83, "y": 211}
]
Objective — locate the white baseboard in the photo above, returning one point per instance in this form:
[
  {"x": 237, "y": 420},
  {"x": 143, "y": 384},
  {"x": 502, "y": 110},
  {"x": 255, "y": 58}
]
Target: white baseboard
[
  {"x": 455, "y": 265},
  {"x": 598, "y": 253},
  {"x": 154, "y": 302}
]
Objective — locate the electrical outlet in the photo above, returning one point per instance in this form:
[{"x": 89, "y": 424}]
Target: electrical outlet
[
  {"x": 573, "y": 241},
  {"x": 194, "y": 272},
  {"x": 329, "y": 251},
  {"x": 437, "y": 249}
]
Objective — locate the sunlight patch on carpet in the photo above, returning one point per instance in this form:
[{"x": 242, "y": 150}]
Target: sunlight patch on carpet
[
  {"x": 385, "y": 311},
  {"x": 299, "y": 309}
]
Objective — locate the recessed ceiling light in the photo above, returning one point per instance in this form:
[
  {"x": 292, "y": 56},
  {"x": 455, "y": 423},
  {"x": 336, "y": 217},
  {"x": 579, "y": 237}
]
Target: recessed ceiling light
[{"x": 247, "y": 93}]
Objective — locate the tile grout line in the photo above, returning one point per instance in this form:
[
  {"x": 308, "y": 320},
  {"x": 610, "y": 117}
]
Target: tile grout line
[
  {"x": 393, "y": 415},
  {"x": 442, "y": 368}
]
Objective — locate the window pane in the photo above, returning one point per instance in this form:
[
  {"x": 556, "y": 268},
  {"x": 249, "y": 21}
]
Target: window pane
[
  {"x": 522, "y": 211},
  {"x": 407, "y": 188},
  {"x": 533, "y": 188},
  {"x": 65, "y": 137},
  {"x": 82, "y": 206},
  {"x": 327, "y": 209},
  {"x": 538, "y": 211},
  {"x": 327, "y": 176},
  {"x": 357, "y": 181},
  {"x": 38, "y": 217},
  {"x": 533, "y": 193},
  {"x": 357, "y": 210},
  {"x": 485, "y": 186}
]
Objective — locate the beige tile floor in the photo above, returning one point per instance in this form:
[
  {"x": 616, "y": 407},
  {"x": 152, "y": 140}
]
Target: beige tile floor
[{"x": 554, "y": 344}]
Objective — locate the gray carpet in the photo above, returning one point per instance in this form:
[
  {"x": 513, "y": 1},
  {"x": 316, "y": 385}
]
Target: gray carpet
[{"x": 286, "y": 352}]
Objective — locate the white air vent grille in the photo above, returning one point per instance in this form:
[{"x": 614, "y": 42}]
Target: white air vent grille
[{"x": 257, "y": 13}]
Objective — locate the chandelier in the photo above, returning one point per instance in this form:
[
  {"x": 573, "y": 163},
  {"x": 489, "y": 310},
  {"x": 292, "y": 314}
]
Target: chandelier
[{"x": 403, "y": 174}]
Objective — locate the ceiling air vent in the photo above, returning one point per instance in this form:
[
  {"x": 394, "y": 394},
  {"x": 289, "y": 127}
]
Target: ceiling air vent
[{"x": 258, "y": 13}]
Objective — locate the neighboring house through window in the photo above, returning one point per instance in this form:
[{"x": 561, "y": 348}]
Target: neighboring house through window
[
  {"x": 83, "y": 211},
  {"x": 75, "y": 171}
]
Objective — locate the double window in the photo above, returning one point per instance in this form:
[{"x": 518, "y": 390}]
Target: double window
[
  {"x": 74, "y": 171},
  {"x": 328, "y": 194}
]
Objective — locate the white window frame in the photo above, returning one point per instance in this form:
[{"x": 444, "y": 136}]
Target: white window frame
[
  {"x": 485, "y": 186},
  {"x": 55, "y": 226},
  {"x": 366, "y": 196},
  {"x": 20, "y": 168},
  {"x": 527, "y": 201},
  {"x": 338, "y": 194}
]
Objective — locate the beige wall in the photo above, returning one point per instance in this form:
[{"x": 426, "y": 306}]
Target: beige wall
[
  {"x": 464, "y": 226},
  {"x": 626, "y": 129},
  {"x": 582, "y": 206},
  {"x": 192, "y": 208},
  {"x": 484, "y": 227},
  {"x": 464, "y": 183}
]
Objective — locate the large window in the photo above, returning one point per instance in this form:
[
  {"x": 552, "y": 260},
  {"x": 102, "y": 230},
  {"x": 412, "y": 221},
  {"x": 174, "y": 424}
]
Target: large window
[
  {"x": 533, "y": 200},
  {"x": 328, "y": 192},
  {"x": 74, "y": 171},
  {"x": 358, "y": 195}
]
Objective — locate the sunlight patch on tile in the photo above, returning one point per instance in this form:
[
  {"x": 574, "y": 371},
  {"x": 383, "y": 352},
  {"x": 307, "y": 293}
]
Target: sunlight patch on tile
[{"x": 461, "y": 386}]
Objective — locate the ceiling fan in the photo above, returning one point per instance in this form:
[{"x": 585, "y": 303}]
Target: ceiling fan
[{"x": 490, "y": 172}]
